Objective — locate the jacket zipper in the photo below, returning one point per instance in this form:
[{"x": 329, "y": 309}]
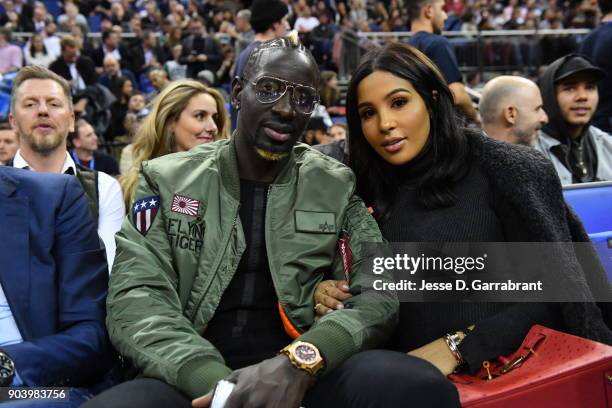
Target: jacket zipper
[{"x": 212, "y": 275}]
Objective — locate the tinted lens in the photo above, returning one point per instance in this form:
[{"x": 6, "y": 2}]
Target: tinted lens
[
  {"x": 269, "y": 89},
  {"x": 304, "y": 98}
]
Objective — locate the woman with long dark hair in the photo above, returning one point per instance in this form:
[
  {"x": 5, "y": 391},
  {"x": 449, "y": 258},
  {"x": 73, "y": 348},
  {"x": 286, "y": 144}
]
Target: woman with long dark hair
[
  {"x": 428, "y": 180},
  {"x": 36, "y": 53}
]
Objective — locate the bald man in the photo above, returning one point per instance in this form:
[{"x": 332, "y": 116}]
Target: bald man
[{"x": 511, "y": 110}]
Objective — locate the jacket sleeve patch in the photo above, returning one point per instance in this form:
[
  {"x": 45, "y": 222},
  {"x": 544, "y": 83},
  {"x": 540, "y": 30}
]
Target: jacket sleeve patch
[
  {"x": 144, "y": 211},
  {"x": 315, "y": 222}
]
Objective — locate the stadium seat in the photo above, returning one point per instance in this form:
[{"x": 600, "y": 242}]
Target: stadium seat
[
  {"x": 5, "y": 103},
  {"x": 94, "y": 22},
  {"x": 593, "y": 203}
]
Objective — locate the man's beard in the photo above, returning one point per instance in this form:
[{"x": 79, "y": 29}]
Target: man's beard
[
  {"x": 526, "y": 138},
  {"x": 42, "y": 145}
]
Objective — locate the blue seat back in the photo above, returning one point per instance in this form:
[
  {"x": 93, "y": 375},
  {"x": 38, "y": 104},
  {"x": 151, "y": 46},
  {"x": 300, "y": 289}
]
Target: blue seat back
[{"x": 593, "y": 203}]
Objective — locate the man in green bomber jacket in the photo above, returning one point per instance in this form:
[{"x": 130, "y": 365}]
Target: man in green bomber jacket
[{"x": 224, "y": 246}]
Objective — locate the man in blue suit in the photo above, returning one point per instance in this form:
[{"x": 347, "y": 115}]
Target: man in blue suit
[{"x": 53, "y": 283}]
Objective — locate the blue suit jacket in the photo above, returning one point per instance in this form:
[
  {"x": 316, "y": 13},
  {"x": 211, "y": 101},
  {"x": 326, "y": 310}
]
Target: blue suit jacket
[{"x": 55, "y": 278}]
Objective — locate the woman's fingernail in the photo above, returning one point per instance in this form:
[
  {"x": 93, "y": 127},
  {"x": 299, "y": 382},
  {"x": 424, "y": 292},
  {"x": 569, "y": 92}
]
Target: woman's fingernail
[
  {"x": 339, "y": 306},
  {"x": 344, "y": 286}
]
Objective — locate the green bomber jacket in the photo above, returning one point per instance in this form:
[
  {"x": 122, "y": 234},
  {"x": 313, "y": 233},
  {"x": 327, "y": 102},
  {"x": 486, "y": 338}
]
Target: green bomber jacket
[{"x": 182, "y": 241}]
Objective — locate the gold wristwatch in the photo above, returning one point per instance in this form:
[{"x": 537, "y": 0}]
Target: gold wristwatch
[{"x": 304, "y": 356}]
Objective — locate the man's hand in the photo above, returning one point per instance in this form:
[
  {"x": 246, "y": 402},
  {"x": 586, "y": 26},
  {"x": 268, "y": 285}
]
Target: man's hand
[
  {"x": 273, "y": 383},
  {"x": 329, "y": 296},
  {"x": 438, "y": 354},
  {"x": 202, "y": 58}
]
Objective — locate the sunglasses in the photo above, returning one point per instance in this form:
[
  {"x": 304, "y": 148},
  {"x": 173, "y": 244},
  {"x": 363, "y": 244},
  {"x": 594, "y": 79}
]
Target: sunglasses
[{"x": 270, "y": 89}]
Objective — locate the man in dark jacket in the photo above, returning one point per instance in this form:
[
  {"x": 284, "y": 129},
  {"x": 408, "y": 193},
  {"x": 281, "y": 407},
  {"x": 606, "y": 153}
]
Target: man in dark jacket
[
  {"x": 200, "y": 51},
  {"x": 78, "y": 70},
  {"x": 579, "y": 151},
  {"x": 146, "y": 54}
]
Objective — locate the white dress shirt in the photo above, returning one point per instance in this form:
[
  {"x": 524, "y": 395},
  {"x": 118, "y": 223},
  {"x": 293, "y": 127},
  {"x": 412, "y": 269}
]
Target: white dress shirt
[
  {"x": 9, "y": 332},
  {"x": 111, "y": 210}
]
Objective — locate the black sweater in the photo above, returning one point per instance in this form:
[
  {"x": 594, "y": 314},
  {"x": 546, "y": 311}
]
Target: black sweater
[{"x": 483, "y": 212}]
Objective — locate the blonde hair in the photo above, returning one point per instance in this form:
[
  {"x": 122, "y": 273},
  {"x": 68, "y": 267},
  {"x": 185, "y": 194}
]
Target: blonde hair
[{"x": 153, "y": 138}]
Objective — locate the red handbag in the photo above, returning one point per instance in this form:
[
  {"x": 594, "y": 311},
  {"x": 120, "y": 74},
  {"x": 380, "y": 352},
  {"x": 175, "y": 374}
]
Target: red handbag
[{"x": 550, "y": 369}]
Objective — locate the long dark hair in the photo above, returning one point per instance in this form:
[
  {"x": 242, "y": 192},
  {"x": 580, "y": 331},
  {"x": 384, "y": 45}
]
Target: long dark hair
[
  {"x": 377, "y": 180},
  {"x": 32, "y": 50}
]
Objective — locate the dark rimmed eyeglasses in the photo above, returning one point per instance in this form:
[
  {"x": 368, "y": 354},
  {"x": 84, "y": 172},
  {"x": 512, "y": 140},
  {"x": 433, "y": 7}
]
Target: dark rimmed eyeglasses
[{"x": 269, "y": 89}]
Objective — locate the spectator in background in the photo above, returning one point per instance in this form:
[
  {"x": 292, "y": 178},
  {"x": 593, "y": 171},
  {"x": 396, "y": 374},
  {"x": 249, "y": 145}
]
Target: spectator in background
[
  {"x": 427, "y": 20},
  {"x": 200, "y": 51},
  {"x": 146, "y": 54},
  {"x": 338, "y": 131},
  {"x": 338, "y": 146},
  {"x": 151, "y": 17},
  {"x": 269, "y": 21},
  {"x": 223, "y": 74},
  {"x": 126, "y": 147},
  {"x": 85, "y": 152},
  {"x": 512, "y": 111},
  {"x": 242, "y": 32},
  {"x": 10, "y": 54},
  {"x": 39, "y": 19},
  {"x": 597, "y": 46},
  {"x": 316, "y": 133},
  {"x": 175, "y": 69},
  {"x": 36, "y": 53},
  {"x": 321, "y": 39},
  {"x": 579, "y": 151},
  {"x": 159, "y": 79},
  {"x": 330, "y": 93},
  {"x": 111, "y": 45},
  {"x": 9, "y": 143},
  {"x": 185, "y": 114},
  {"x": 43, "y": 128},
  {"x": 122, "y": 88},
  {"x": 78, "y": 70},
  {"x": 112, "y": 71},
  {"x": 358, "y": 11},
  {"x": 137, "y": 105},
  {"x": 71, "y": 17},
  {"x": 52, "y": 41},
  {"x": 305, "y": 22}
]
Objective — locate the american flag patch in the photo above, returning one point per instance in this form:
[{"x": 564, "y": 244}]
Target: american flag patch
[
  {"x": 185, "y": 205},
  {"x": 144, "y": 211}
]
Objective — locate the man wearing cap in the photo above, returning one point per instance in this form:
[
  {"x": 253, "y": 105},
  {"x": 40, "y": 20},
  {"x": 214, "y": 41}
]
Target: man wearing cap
[
  {"x": 269, "y": 21},
  {"x": 597, "y": 46},
  {"x": 579, "y": 151}
]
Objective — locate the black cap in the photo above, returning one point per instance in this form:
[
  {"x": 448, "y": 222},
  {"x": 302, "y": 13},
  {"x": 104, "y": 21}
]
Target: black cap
[
  {"x": 264, "y": 13},
  {"x": 577, "y": 64}
]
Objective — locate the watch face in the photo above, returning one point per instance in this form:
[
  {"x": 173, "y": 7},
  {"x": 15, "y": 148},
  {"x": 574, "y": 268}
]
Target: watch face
[
  {"x": 7, "y": 367},
  {"x": 305, "y": 354}
]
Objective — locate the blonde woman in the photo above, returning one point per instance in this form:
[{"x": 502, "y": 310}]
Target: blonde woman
[{"x": 185, "y": 114}]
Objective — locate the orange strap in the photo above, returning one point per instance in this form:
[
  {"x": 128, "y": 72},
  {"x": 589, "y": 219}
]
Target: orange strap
[{"x": 287, "y": 325}]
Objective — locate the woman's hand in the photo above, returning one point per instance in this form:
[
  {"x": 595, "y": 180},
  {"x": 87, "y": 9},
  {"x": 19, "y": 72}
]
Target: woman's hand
[
  {"x": 438, "y": 354},
  {"x": 329, "y": 296}
]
